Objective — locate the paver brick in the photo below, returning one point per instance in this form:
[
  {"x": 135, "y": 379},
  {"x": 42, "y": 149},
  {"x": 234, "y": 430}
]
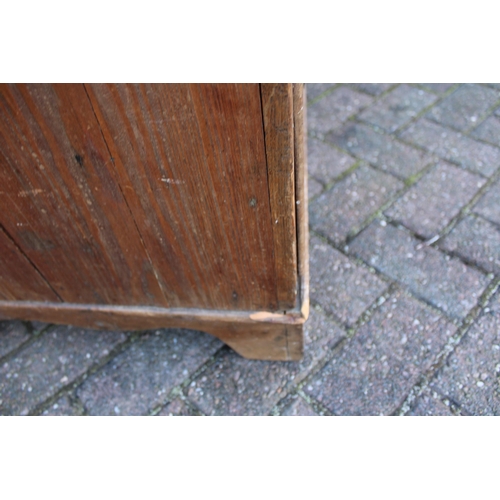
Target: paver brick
[
  {"x": 439, "y": 88},
  {"x": 488, "y": 205},
  {"x": 141, "y": 377},
  {"x": 12, "y": 335},
  {"x": 373, "y": 88},
  {"x": 343, "y": 209},
  {"x": 315, "y": 89},
  {"x": 334, "y": 109},
  {"x": 430, "y": 204},
  {"x": 375, "y": 370},
  {"x": 380, "y": 150},
  {"x": 476, "y": 240},
  {"x": 445, "y": 282},
  {"x": 453, "y": 146},
  {"x": 398, "y": 107},
  {"x": 489, "y": 130},
  {"x": 463, "y": 108},
  {"x": 471, "y": 376},
  {"x": 51, "y": 362},
  {"x": 429, "y": 403},
  {"x": 176, "y": 408},
  {"x": 63, "y": 407},
  {"x": 340, "y": 286},
  {"x": 324, "y": 162},
  {"x": 299, "y": 408},
  {"x": 235, "y": 386},
  {"x": 313, "y": 188}
]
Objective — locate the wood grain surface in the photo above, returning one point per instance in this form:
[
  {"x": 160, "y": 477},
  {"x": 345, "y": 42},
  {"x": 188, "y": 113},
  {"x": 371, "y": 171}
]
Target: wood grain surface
[
  {"x": 61, "y": 203},
  {"x": 277, "y": 109},
  {"x": 176, "y": 195}
]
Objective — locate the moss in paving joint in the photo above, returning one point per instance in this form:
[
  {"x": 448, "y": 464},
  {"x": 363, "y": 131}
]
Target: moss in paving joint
[
  {"x": 33, "y": 336},
  {"x": 467, "y": 209},
  {"x": 481, "y": 119},
  {"x": 449, "y": 347},
  {"x": 324, "y": 94},
  {"x": 72, "y": 386},
  {"x": 315, "y": 405},
  {"x": 344, "y": 250}
]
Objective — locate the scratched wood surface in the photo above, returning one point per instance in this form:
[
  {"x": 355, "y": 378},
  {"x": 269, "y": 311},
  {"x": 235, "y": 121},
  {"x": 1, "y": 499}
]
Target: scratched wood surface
[
  {"x": 61, "y": 203},
  {"x": 159, "y": 195},
  {"x": 277, "y": 106}
]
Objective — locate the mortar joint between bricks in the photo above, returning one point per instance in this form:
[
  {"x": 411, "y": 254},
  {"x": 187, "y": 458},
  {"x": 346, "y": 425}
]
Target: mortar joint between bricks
[
  {"x": 315, "y": 404},
  {"x": 449, "y": 347},
  {"x": 324, "y": 94},
  {"x": 33, "y": 336},
  {"x": 73, "y": 385}
]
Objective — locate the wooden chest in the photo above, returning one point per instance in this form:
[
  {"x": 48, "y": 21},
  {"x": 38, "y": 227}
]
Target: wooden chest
[{"x": 146, "y": 206}]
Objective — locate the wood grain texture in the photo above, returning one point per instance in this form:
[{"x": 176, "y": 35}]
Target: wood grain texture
[
  {"x": 61, "y": 203},
  {"x": 252, "y": 335},
  {"x": 277, "y": 110},
  {"x": 301, "y": 192},
  {"x": 16, "y": 270},
  {"x": 191, "y": 163}
]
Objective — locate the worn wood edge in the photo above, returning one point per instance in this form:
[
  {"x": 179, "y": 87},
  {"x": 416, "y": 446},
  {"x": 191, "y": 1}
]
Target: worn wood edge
[
  {"x": 254, "y": 335},
  {"x": 301, "y": 194},
  {"x": 277, "y": 116}
]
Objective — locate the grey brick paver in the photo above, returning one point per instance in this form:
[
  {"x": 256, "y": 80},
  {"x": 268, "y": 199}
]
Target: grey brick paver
[
  {"x": 235, "y": 386},
  {"x": 49, "y": 363},
  {"x": 376, "y": 369},
  {"x": 398, "y": 107},
  {"x": 429, "y": 403},
  {"x": 339, "y": 285},
  {"x": 299, "y": 408},
  {"x": 464, "y": 107},
  {"x": 476, "y": 240},
  {"x": 12, "y": 335},
  {"x": 324, "y": 162},
  {"x": 471, "y": 376},
  {"x": 489, "y": 130},
  {"x": 439, "y": 88},
  {"x": 176, "y": 408},
  {"x": 373, "y": 88},
  {"x": 380, "y": 150},
  {"x": 313, "y": 188},
  {"x": 335, "y": 108},
  {"x": 453, "y": 146},
  {"x": 62, "y": 407},
  {"x": 135, "y": 381},
  {"x": 488, "y": 205},
  {"x": 315, "y": 89},
  {"x": 429, "y": 206},
  {"x": 350, "y": 202},
  {"x": 445, "y": 282}
]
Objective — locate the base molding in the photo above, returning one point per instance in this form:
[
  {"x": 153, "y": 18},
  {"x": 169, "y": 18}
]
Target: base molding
[{"x": 252, "y": 334}]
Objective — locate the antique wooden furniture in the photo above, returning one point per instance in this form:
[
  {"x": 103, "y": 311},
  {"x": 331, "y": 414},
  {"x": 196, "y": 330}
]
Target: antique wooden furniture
[{"x": 145, "y": 206}]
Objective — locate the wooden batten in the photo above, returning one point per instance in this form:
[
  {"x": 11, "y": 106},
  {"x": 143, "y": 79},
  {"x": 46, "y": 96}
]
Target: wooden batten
[{"x": 301, "y": 193}]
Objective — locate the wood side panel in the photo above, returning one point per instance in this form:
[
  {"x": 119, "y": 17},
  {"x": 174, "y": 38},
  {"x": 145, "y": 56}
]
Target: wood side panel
[
  {"x": 62, "y": 205},
  {"x": 253, "y": 335},
  {"x": 19, "y": 280},
  {"x": 301, "y": 192},
  {"x": 277, "y": 107},
  {"x": 191, "y": 163}
]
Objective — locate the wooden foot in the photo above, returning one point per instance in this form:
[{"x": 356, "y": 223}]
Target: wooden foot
[{"x": 254, "y": 335}]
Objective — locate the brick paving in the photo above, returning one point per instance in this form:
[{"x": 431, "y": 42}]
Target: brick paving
[{"x": 404, "y": 182}]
